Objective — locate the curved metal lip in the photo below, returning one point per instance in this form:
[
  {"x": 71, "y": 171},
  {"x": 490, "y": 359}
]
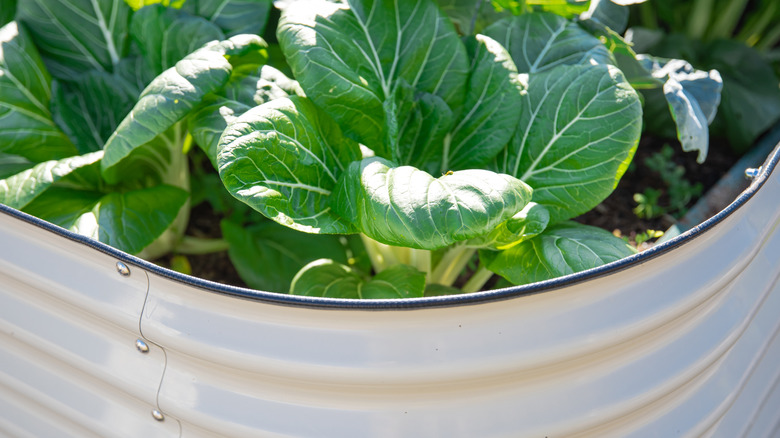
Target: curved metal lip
[{"x": 417, "y": 303}]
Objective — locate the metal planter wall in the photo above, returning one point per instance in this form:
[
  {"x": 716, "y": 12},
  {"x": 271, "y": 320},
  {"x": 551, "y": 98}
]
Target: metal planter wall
[{"x": 681, "y": 340}]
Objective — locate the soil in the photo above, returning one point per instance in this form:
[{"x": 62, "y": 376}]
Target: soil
[{"x": 614, "y": 214}]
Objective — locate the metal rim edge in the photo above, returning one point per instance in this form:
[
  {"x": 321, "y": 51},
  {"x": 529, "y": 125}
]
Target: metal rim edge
[{"x": 416, "y": 303}]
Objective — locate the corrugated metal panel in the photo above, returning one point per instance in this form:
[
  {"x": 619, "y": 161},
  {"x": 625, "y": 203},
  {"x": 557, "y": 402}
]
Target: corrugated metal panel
[
  {"x": 68, "y": 327},
  {"x": 680, "y": 341},
  {"x": 665, "y": 348}
]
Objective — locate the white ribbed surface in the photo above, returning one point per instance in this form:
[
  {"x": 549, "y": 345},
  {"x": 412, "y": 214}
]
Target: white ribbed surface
[
  {"x": 684, "y": 344},
  {"x": 68, "y": 325}
]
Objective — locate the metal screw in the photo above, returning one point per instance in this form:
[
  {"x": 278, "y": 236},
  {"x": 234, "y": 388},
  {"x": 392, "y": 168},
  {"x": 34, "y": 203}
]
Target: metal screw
[
  {"x": 123, "y": 270},
  {"x": 752, "y": 172},
  {"x": 141, "y": 346},
  {"x": 157, "y": 415}
]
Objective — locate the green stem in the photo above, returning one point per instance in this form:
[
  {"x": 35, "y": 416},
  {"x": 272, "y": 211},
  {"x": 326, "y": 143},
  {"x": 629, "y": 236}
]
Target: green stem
[
  {"x": 770, "y": 39},
  {"x": 699, "y": 18},
  {"x": 477, "y": 280},
  {"x": 648, "y": 16},
  {"x": 421, "y": 259},
  {"x": 197, "y": 245},
  {"x": 759, "y": 20},
  {"x": 727, "y": 19},
  {"x": 381, "y": 255},
  {"x": 451, "y": 265}
]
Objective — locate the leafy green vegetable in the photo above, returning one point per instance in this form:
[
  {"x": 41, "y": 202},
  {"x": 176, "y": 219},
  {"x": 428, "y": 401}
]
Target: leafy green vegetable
[
  {"x": 284, "y": 158},
  {"x": 325, "y": 278},
  {"x": 26, "y": 125},
  {"x": 165, "y": 35},
  {"x": 394, "y": 98},
  {"x": 18, "y": 190},
  {"x": 246, "y": 88},
  {"x": 363, "y": 52},
  {"x": 578, "y": 130},
  {"x": 88, "y": 150},
  {"x": 539, "y": 42},
  {"x": 76, "y": 36},
  {"x": 562, "y": 249},
  {"x": 419, "y": 211},
  {"x": 693, "y": 97},
  {"x": 492, "y": 107},
  {"x": 173, "y": 95},
  {"x": 268, "y": 255},
  {"x": 235, "y": 17},
  {"x": 81, "y": 112},
  {"x": 525, "y": 224},
  {"x": 733, "y": 37},
  {"x": 7, "y": 11},
  {"x": 427, "y": 145}
]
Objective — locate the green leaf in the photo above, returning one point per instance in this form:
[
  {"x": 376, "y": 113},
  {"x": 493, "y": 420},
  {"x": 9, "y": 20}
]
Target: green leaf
[
  {"x": 404, "y": 206},
  {"x": 564, "y": 8},
  {"x": 491, "y": 110},
  {"x": 399, "y": 281},
  {"x": 438, "y": 290},
  {"x": 470, "y": 17},
  {"x": 607, "y": 13},
  {"x": 138, "y": 4},
  {"x": 246, "y": 89},
  {"x": 526, "y": 224},
  {"x": 418, "y": 125},
  {"x": 75, "y": 36},
  {"x": 134, "y": 71},
  {"x": 750, "y": 100},
  {"x": 90, "y": 109},
  {"x": 132, "y": 220},
  {"x": 12, "y": 164},
  {"x": 693, "y": 97},
  {"x": 63, "y": 206},
  {"x": 326, "y": 278},
  {"x": 207, "y": 123},
  {"x": 751, "y": 97},
  {"x": 283, "y": 159},
  {"x": 166, "y": 35},
  {"x": 236, "y": 16},
  {"x": 579, "y": 128},
  {"x": 7, "y": 11},
  {"x": 26, "y": 125},
  {"x": 539, "y": 42},
  {"x": 172, "y": 95},
  {"x": 562, "y": 249},
  {"x": 267, "y": 255},
  {"x": 18, "y": 190},
  {"x": 351, "y": 59},
  {"x": 158, "y": 161}
]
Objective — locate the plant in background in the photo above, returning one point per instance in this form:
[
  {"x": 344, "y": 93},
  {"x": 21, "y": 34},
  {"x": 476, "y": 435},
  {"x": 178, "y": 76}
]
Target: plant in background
[
  {"x": 648, "y": 204},
  {"x": 738, "y": 38},
  {"x": 647, "y": 235},
  {"x": 680, "y": 192}
]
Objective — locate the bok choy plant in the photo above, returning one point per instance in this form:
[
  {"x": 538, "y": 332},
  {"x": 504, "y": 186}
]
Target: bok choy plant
[
  {"x": 95, "y": 105},
  {"x": 434, "y": 147}
]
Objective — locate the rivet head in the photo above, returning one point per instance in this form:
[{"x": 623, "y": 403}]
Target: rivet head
[
  {"x": 122, "y": 269},
  {"x": 752, "y": 172},
  {"x": 157, "y": 415},
  {"x": 141, "y": 346}
]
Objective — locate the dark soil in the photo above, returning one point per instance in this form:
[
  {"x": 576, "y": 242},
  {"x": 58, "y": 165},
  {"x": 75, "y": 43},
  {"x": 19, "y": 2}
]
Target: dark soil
[
  {"x": 215, "y": 266},
  {"x": 615, "y": 214}
]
